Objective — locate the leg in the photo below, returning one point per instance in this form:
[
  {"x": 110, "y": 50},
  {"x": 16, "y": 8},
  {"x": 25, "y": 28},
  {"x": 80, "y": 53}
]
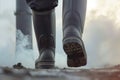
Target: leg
[
  {"x": 73, "y": 22},
  {"x": 44, "y": 24}
]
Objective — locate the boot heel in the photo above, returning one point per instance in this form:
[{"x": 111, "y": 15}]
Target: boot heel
[{"x": 76, "y": 55}]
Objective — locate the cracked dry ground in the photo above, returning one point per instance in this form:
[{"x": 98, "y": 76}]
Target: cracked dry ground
[{"x": 112, "y": 73}]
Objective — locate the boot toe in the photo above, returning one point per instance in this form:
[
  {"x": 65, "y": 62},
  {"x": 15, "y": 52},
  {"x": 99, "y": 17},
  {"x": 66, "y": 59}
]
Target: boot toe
[{"x": 45, "y": 60}]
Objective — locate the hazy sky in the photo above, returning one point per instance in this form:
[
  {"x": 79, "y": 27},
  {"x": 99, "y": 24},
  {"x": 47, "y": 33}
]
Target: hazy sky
[{"x": 101, "y": 35}]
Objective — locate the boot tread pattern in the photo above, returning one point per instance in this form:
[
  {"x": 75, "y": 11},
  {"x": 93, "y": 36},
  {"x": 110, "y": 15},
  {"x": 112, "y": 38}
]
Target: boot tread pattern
[{"x": 75, "y": 54}]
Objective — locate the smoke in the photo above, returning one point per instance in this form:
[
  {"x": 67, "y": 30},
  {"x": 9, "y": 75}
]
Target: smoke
[
  {"x": 23, "y": 53},
  {"x": 102, "y": 34},
  {"x": 11, "y": 54},
  {"x": 6, "y": 42}
]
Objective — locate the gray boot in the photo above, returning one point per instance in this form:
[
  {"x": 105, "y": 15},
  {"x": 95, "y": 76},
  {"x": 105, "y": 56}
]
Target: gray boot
[
  {"x": 44, "y": 25},
  {"x": 73, "y": 23}
]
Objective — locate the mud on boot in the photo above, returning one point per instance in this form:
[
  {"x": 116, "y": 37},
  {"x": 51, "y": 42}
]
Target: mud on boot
[{"x": 76, "y": 54}]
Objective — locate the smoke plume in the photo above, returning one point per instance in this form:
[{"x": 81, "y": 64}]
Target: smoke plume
[{"x": 102, "y": 34}]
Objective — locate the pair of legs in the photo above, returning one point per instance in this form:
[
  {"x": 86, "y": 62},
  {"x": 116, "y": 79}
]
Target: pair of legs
[{"x": 73, "y": 23}]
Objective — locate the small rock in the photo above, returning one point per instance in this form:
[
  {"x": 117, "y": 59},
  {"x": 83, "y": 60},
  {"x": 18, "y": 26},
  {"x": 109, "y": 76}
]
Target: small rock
[{"x": 18, "y": 66}]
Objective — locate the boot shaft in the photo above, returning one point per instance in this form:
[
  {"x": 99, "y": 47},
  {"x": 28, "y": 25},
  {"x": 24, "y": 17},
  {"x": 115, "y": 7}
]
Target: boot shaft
[
  {"x": 44, "y": 22},
  {"x": 44, "y": 25},
  {"x": 74, "y": 12}
]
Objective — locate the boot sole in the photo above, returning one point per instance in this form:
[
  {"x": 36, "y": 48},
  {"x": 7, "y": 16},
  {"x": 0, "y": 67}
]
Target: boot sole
[
  {"x": 44, "y": 65},
  {"x": 76, "y": 55}
]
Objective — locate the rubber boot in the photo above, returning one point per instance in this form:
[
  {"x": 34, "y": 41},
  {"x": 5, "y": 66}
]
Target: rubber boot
[
  {"x": 44, "y": 25},
  {"x": 73, "y": 23}
]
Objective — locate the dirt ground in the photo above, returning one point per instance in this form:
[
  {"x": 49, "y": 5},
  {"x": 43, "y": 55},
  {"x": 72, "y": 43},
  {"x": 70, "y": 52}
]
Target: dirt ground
[{"x": 112, "y": 73}]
